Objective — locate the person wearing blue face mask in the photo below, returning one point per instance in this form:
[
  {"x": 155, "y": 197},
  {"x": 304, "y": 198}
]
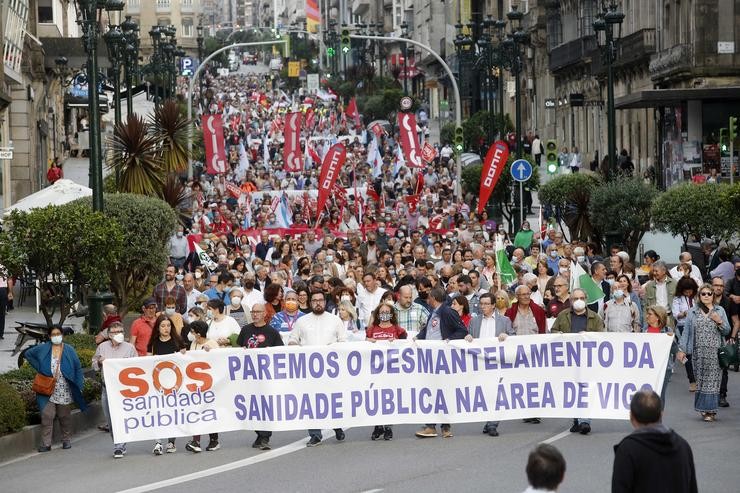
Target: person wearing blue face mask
[
  {"x": 59, "y": 361},
  {"x": 620, "y": 314}
]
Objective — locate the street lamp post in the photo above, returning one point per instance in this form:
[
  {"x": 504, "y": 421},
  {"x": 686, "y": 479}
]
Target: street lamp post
[
  {"x": 130, "y": 59},
  {"x": 516, "y": 39},
  {"x": 88, "y": 12},
  {"x": 114, "y": 40},
  {"x": 608, "y": 29},
  {"x": 405, "y": 35}
]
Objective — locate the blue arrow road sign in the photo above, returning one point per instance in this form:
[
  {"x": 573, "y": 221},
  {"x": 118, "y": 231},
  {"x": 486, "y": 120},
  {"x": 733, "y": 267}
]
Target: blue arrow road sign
[{"x": 521, "y": 170}]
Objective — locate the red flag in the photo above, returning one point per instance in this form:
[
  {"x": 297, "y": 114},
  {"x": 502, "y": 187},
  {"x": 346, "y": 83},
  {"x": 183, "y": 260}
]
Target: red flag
[
  {"x": 409, "y": 139},
  {"x": 233, "y": 189},
  {"x": 330, "y": 168},
  {"x": 428, "y": 152},
  {"x": 352, "y": 111},
  {"x": 292, "y": 155},
  {"x": 310, "y": 118},
  {"x": 213, "y": 138},
  {"x": 492, "y": 168},
  {"x": 377, "y": 130}
]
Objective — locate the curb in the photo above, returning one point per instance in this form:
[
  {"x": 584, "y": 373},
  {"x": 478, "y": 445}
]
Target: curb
[{"x": 28, "y": 439}]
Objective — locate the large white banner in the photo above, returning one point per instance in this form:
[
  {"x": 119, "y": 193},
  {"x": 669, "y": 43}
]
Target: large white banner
[{"x": 360, "y": 384}]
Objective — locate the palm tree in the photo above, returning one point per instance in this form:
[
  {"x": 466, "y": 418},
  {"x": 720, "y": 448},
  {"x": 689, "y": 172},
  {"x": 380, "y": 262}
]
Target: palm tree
[
  {"x": 133, "y": 155},
  {"x": 170, "y": 129}
]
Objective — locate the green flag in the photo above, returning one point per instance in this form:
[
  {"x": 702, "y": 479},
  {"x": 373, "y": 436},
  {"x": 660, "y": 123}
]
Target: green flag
[
  {"x": 580, "y": 279},
  {"x": 503, "y": 266}
]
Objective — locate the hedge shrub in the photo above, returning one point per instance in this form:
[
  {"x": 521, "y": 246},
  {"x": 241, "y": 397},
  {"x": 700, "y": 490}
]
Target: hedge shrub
[
  {"x": 12, "y": 409},
  {"x": 81, "y": 341}
]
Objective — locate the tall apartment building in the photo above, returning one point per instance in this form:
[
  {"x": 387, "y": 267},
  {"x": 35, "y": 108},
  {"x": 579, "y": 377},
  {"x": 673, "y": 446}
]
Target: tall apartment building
[{"x": 183, "y": 14}]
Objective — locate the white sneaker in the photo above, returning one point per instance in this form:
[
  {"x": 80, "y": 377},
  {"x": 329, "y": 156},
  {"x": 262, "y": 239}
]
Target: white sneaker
[
  {"x": 171, "y": 449},
  {"x": 157, "y": 450}
]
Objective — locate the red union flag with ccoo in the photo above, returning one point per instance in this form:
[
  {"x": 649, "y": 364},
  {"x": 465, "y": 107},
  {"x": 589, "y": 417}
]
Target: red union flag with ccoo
[
  {"x": 492, "y": 167},
  {"x": 428, "y": 152},
  {"x": 213, "y": 138},
  {"x": 409, "y": 139},
  {"x": 330, "y": 168},
  {"x": 292, "y": 155}
]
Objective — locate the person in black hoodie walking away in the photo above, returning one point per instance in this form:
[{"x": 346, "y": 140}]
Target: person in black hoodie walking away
[{"x": 653, "y": 458}]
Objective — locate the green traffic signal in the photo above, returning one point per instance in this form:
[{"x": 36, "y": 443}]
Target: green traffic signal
[
  {"x": 551, "y": 156},
  {"x": 346, "y": 46},
  {"x": 459, "y": 141},
  {"x": 330, "y": 51}
]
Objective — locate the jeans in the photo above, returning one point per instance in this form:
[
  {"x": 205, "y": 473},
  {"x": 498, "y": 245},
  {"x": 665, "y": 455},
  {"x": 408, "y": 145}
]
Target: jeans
[
  {"x": 584, "y": 420},
  {"x": 3, "y": 309},
  {"x": 106, "y": 413},
  {"x": 491, "y": 425}
]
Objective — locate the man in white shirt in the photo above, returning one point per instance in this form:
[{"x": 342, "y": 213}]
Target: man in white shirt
[
  {"x": 368, "y": 298},
  {"x": 318, "y": 328},
  {"x": 685, "y": 258},
  {"x": 251, "y": 295},
  {"x": 188, "y": 282},
  {"x": 178, "y": 248},
  {"x": 488, "y": 326}
]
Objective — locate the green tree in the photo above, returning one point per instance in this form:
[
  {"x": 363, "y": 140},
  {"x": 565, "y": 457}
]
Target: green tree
[
  {"x": 622, "y": 208},
  {"x": 570, "y": 195},
  {"x": 170, "y": 129},
  {"x": 502, "y": 192},
  {"x": 61, "y": 244},
  {"x": 134, "y": 154},
  {"x": 697, "y": 210},
  {"x": 147, "y": 224}
]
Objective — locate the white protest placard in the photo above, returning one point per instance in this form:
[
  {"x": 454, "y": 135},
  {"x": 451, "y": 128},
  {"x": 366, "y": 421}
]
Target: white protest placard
[{"x": 586, "y": 375}]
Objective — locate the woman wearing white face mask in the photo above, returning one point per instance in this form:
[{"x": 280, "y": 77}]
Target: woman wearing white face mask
[
  {"x": 197, "y": 341},
  {"x": 114, "y": 347},
  {"x": 58, "y": 361},
  {"x": 236, "y": 309}
]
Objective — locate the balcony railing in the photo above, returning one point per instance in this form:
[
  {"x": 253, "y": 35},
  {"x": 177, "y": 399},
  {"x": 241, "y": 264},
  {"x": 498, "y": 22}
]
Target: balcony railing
[
  {"x": 571, "y": 53},
  {"x": 636, "y": 46}
]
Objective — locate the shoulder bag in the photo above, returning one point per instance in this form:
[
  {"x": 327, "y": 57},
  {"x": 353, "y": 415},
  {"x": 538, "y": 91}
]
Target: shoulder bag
[{"x": 45, "y": 385}]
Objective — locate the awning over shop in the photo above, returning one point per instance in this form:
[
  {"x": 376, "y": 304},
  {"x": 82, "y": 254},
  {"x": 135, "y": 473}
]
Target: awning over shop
[{"x": 654, "y": 98}]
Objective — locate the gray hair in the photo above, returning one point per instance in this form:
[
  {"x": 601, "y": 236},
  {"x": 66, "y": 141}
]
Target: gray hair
[{"x": 660, "y": 264}]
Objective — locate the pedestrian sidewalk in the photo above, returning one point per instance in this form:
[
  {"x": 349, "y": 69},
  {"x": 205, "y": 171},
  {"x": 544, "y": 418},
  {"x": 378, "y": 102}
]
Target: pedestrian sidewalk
[
  {"x": 78, "y": 170},
  {"x": 25, "y": 313}
]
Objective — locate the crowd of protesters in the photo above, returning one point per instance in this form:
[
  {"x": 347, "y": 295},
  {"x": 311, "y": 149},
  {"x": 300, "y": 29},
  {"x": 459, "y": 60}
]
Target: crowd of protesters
[{"x": 394, "y": 255}]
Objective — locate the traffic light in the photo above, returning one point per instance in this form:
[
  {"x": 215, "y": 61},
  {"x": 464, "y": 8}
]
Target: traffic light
[
  {"x": 345, "y": 41},
  {"x": 551, "y": 156},
  {"x": 732, "y": 130},
  {"x": 459, "y": 141},
  {"x": 330, "y": 51},
  {"x": 723, "y": 147}
]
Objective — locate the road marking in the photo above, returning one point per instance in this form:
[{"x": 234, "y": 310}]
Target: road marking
[
  {"x": 272, "y": 454},
  {"x": 376, "y": 490},
  {"x": 558, "y": 436}
]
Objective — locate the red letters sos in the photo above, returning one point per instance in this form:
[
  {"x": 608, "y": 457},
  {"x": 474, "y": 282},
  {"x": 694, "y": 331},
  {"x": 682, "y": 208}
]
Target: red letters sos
[{"x": 138, "y": 381}]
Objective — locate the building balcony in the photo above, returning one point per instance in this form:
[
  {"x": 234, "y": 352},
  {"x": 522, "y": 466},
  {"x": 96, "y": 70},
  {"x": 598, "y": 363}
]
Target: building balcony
[
  {"x": 572, "y": 53},
  {"x": 671, "y": 62},
  {"x": 163, "y": 7},
  {"x": 187, "y": 8},
  {"x": 636, "y": 47},
  {"x": 360, "y": 7}
]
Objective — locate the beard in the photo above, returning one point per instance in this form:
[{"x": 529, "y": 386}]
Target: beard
[{"x": 318, "y": 310}]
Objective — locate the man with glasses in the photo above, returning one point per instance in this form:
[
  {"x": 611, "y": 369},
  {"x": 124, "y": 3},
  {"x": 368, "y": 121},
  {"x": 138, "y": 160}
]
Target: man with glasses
[
  {"x": 113, "y": 347},
  {"x": 561, "y": 301},
  {"x": 576, "y": 319},
  {"x": 318, "y": 328},
  {"x": 259, "y": 334}
]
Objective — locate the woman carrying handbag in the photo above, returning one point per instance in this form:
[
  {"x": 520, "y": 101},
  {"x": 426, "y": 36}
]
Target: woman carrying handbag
[{"x": 57, "y": 384}]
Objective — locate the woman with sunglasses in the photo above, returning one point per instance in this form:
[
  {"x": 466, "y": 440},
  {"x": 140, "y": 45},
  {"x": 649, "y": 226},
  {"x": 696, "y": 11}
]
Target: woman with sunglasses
[{"x": 705, "y": 328}]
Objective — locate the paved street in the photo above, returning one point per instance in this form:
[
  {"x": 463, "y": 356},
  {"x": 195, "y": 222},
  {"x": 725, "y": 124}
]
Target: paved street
[{"x": 470, "y": 461}]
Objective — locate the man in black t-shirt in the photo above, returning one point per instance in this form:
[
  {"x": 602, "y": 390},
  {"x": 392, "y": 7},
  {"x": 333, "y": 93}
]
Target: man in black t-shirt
[{"x": 257, "y": 335}]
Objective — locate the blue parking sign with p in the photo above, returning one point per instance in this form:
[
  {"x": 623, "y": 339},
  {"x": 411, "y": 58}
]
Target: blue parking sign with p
[{"x": 187, "y": 66}]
